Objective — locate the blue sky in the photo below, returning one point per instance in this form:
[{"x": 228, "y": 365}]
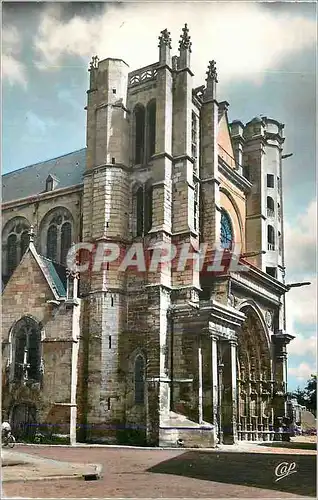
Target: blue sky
[{"x": 265, "y": 56}]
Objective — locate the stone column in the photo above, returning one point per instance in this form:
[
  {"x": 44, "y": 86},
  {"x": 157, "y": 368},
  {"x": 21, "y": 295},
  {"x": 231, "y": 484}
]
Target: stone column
[
  {"x": 215, "y": 385},
  {"x": 229, "y": 409},
  {"x": 233, "y": 348}
]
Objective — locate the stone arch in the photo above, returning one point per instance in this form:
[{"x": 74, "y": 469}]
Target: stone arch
[
  {"x": 255, "y": 367},
  {"x": 53, "y": 239}
]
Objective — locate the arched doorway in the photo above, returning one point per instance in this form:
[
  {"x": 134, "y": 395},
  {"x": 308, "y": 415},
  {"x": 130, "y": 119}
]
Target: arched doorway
[
  {"x": 254, "y": 371},
  {"x": 23, "y": 421}
]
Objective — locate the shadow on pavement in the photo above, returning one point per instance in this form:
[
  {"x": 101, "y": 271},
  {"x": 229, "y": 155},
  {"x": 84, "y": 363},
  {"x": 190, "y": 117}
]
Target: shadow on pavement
[
  {"x": 248, "y": 469},
  {"x": 291, "y": 446}
]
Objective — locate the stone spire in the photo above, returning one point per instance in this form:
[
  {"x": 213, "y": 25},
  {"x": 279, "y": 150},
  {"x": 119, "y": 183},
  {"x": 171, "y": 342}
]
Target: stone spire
[
  {"x": 211, "y": 81},
  {"x": 185, "y": 48},
  {"x": 165, "y": 47}
]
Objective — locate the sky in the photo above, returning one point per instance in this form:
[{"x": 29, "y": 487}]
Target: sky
[{"x": 265, "y": 55}]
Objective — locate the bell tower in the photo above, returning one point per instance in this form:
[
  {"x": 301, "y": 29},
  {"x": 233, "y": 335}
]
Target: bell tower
[{"x": 105, "y": 220}]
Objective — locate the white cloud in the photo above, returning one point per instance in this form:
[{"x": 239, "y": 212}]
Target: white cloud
[
  {"x": 301, "y": 345},
  {"x": 244, "y": 39},
  {"x": 301, "y": 305},
  {"x": 300, "y": 261},
  {"x": 300, "y": 243},
  {"x": 302, "y": 372},
  {"x": 13, "y": 70}
]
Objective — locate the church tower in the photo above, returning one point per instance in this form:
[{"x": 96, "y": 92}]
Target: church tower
[
  {"x": 105, "y": 222},
  {"x": 262, "y": 157}
]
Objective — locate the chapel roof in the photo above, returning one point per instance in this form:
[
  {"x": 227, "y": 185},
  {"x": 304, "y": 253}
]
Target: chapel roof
[{"x": 31, "y": 180}]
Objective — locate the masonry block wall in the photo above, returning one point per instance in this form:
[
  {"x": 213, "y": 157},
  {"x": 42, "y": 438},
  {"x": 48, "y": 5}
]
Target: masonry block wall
[{"x": 28, "y": 291}]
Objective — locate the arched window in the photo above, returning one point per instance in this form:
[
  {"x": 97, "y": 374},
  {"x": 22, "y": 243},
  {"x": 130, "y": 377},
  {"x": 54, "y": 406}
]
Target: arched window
[
  {"x": 24, "y": 242},
  {"x": 148, "y": 209},
  {"x": 139, "y": 380},
  {"x": 15, "y": 239},
  {"x": 270, "y": 207},
  {"x": 143, "y": 209},
  {"x": 140, "y": 119},
  {"x": 26, "y": 350},
  {"x": 270, "y": 238},
  {"x": 56, "y": 234},
  {"x": 12, "y": 253},
  {"x": 66, "y": 240},
  {"x": 140, "y": 211},
  {"x": 51, "y": 244},
  {"x": 226, "y": 231},
  {"x": 151, "y": 128}
]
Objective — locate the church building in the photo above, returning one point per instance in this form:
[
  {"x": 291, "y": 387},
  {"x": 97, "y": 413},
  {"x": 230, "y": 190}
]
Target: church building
[{"x": 158, "y": 357}]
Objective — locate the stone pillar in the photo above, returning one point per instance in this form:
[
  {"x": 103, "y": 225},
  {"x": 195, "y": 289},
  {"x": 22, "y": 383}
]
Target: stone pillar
[
  {"x": 215, "y": 385},
  {"x": 233, "y": 348},
  {"x": 229, "y": 404}
]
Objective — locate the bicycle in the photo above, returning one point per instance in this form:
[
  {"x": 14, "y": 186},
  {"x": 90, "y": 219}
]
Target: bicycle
[{"x": 8, "y": 440}]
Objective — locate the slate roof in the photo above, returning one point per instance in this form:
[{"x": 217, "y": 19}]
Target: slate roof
[
  {"x": 29, "y": 181},
  {"x": 55, "y": 274}
]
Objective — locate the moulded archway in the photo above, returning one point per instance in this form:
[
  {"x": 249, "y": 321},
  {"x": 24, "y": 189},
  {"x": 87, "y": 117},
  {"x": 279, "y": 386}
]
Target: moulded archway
[{"x": 255, "y": 391}]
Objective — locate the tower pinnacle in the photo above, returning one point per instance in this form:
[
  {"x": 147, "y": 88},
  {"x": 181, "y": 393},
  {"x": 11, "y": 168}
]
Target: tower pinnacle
[
  {"x": 185, "y": 39},
  {"x": 164, "y": 38},
  {"x": 211, "y": 81},
  {"x": 211, "y": 73}
]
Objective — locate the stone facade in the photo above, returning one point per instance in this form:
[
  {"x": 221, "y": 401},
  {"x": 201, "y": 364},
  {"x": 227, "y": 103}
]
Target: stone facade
[{"x": 167, "y": 356}]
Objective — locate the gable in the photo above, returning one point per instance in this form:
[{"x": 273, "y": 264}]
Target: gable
[
  {"x": 27, "y": 280},
  {"x": 225, "y": 143}
]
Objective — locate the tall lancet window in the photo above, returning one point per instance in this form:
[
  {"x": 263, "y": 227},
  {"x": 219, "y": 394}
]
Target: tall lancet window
[
  {"x": 143, "y": 209},
  {"x": 27, "y": 350},
  {"x": 140, "y": 122},
  {"x": 151, "y": 128},
  {"x": 52, "y": 242},
  {"x": 148, "y": 209},
  {"x": 227, "y": 236},
  {"x": 66, "y": 241},
  {"x": 140, "y": 211}
]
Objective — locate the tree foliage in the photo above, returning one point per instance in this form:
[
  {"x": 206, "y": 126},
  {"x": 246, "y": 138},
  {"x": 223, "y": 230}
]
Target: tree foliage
[{"x": 308, "y": 396}]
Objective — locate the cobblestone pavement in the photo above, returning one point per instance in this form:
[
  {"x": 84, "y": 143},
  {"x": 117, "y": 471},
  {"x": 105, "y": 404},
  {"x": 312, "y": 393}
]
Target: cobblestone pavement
[{"x": 154, "y": 473}]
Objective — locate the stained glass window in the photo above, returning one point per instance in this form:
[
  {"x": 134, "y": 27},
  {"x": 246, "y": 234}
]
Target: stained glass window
[
  {"x": 52, "y": 243},
  {"x": 226, "y": 231},
  {"x": 66, "y": 240}
]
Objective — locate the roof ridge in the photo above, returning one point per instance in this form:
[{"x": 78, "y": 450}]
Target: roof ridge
[{"x": 45, "y": 161}]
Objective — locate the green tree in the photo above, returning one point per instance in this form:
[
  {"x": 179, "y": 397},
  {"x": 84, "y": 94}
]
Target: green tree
[{"x": 308, "y": 396}]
